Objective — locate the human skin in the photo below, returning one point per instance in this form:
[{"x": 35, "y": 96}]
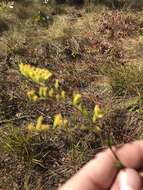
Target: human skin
[{"x": 101, "y": 173}]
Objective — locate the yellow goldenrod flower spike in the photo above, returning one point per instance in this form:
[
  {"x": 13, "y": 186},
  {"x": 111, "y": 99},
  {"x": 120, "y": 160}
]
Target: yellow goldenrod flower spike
[
  {"x": 57, "y": 84},
  {"x": 63, "y": 95},
  {"x": 97, "y": 113},
  {"x": 58, "y": 120},
  {"x": 51, "y": 92},
  {"x": 31, "y": 127},
  {"x": 37, "y": 75},
  {"x": 76, "y": 99}
]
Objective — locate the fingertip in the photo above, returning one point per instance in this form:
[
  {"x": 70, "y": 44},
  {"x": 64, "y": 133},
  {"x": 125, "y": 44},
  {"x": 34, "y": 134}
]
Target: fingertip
[{"x": 127, "y": 179}]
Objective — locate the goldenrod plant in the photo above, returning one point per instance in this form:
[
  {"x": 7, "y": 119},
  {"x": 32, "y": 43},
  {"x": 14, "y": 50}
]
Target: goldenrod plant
[
  {"x": 91, "y": 97},
  {"x": 55, "y": 92}
]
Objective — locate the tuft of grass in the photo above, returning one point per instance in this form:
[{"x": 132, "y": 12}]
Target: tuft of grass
[{"x": 125, "y": 80}]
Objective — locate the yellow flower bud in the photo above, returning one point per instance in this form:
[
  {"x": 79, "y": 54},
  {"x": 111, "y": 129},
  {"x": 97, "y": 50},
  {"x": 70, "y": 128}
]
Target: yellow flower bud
[
  {"x": 43, "y": 91},
  {"x": 97, "y": 113},
  {"x": 35, "y": 98},
  {"x": 58, "y": 120},
  {"x": 76, "y": 99},
  {"x": 57, "y": 84},
  {"x": 63, "y": 94},
  {"x": 39, "y": 122},
  {"x": 51, "y": 92}
]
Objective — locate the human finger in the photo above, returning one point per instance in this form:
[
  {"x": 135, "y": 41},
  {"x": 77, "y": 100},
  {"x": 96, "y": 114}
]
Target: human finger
[
  {"x": 127, "y": 179},
  {"x": 100, "y": 172}
]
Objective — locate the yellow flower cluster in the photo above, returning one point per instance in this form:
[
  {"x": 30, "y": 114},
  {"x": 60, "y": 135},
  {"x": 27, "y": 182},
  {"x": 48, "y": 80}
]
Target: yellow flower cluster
[
  {"x": 39, "y": 126},
  {"x": 59, "y": 121},
  {"x": 55, "y": 91},
  {"x": 44, "y": 92},
  {"x": 97, "y": 113},
  {"x": 37, "y": 75}
]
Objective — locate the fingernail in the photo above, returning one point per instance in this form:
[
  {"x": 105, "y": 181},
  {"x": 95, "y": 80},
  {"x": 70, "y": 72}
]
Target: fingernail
[{"x": 124, "y": 181}]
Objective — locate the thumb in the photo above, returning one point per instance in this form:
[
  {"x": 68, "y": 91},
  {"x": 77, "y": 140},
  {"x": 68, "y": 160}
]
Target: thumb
[{"x": 127, "y": 179}]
